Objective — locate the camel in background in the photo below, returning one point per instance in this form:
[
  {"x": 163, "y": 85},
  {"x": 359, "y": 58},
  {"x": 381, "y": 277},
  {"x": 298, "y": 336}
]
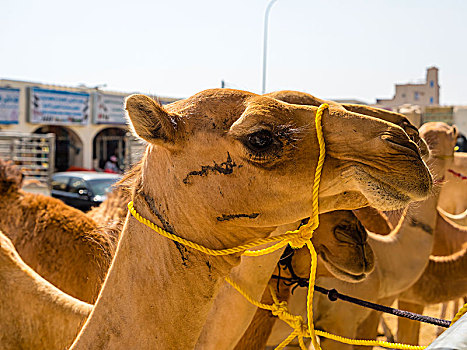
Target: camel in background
[
  {"x": 454, "y": 193},
  {"x": 351, "y": 264},
  {"x": 60, "y": 243}
]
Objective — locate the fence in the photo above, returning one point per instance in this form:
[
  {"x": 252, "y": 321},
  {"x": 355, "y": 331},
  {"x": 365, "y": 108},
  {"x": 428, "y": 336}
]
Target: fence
[{"x": 33, "y": 153}]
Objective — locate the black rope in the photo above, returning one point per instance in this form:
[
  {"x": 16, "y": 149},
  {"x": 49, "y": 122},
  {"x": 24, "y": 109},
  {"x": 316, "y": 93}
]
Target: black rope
[{"x": 333, "y": 295}]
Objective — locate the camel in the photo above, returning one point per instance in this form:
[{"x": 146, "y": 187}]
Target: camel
[
  {"x": 34, "y": 313},
  {"x": 60, "y": 243},
  {"x": 340, "y": 242},
  {"x": 352, "y": 264},
  {"x": 391, "y": 275},
  {"x": 443, "y": 279},
  {"x": 204, "y": 153},
  {"x": 454, "y": 191}
]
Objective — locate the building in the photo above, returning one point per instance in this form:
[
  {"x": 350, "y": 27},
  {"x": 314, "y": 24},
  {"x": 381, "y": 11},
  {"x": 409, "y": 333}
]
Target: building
[
  {"x": 421, "y": 94},
  {"x": 89, "y": 124}
]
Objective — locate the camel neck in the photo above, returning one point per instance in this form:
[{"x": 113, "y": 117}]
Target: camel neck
[
  {"x": 403, "y": 255},
  {"x": 155, "y": 288}
]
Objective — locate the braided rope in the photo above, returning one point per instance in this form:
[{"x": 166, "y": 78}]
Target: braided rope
[{"x": 459, "y": 314}]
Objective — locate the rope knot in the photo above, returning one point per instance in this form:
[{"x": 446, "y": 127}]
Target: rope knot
[
  {"x": 303, "y": 236},
  {"x": 280, "y": 309}
]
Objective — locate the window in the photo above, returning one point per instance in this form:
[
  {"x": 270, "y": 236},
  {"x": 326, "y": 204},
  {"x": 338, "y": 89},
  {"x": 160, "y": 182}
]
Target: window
[
  {"x": 416, "y": 95},
  {"x": 59, "y": 183},
  {"x": 431, "y": 100},
  {"x": 432, "y": 83},
  {"x": 77, "y": 184},
  {"x": 403, "y": 95}
]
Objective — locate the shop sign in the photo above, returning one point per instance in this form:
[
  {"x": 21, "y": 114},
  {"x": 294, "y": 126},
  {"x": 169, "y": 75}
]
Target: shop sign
[
  {"x": 58, "y": 107},
  {"x": 9, "y": 106},
  {"x": 109, "y": 109}
]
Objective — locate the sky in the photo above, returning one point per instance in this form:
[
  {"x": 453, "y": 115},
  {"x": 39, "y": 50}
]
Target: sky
[{"x": 337, "y": 49}]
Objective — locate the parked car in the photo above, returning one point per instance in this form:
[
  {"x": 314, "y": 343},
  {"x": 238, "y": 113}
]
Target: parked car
[{"x": 82, "y": 189}]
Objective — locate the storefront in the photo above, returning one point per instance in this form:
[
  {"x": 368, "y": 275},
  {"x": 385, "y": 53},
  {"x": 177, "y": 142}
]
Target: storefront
[{"x": 89, "y": 124}]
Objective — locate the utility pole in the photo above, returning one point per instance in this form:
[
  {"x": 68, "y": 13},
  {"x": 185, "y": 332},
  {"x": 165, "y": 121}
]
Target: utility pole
[{"x": 265, "y": 42}]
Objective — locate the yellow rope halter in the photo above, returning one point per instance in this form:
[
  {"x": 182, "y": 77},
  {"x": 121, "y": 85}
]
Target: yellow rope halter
[{"x": 296, "y": 239}]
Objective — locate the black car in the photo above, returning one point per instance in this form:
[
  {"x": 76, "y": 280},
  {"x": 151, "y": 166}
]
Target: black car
[{"x": 82, "y": 189}]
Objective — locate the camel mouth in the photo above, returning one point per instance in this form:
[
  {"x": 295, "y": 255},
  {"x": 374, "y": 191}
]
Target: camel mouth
[
  {"x": 341, "y": 274},
  {"x": 387, "y": 195}
]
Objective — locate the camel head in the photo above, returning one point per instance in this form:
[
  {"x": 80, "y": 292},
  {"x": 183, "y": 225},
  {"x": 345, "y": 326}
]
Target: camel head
[
  {"x": 234, "y": 157},
  {"x": 441, "y": 139},
  {"x": 11, "y": 177},
  {"x": 341, "y": 243},
  {"x": 344, "y": 248},
  {"x": 302, "y": 98}
]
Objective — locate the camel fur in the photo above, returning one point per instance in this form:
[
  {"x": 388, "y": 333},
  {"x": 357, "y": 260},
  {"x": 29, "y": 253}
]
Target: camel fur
[
  {"x": 60, "y": 243},
  {"x": 34, "y": 313}
]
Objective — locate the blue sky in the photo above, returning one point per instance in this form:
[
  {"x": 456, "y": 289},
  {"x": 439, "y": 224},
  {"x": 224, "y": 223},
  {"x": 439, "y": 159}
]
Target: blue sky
[{"x": 332, "y": 49}]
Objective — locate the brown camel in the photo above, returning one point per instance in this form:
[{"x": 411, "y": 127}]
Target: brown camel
[
  {"x": 34, "y": 313},
  {"x": 59, "y": 242},
  {"x": 443, "y": 280},
  {"x": 353, "y": 262},
  {"x": 454, "y": 192},
  {"x": 397, "y": 264},
  {"x": 340, "y": 241},
  {"x": 205, "y": 153}
]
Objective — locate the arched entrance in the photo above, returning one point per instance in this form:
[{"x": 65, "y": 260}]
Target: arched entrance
[
  {"x": 108, "y": 142},
  {"x": 68, "y": 146},
  {"x": 461, "y": 143}
]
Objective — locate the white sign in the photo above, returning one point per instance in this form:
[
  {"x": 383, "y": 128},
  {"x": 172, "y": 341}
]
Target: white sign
[
  {"x": 108, "y": 109},
  {"x": 9, "y": 106},
  {"x": 58, "y": 107}
]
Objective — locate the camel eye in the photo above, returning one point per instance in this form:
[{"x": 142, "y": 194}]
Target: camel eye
[{"x": 260, "y": 140}]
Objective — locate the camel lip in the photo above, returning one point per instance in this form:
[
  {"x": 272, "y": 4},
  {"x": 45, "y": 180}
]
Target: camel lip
[{"x": 340, "y": 273}]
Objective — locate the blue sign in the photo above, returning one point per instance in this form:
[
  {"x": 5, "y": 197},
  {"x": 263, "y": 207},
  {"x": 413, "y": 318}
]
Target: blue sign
[
  {"x": 9, "y": 106},
  {"x": 58, "y": 107},
  {"x": 109, "y": 109}
]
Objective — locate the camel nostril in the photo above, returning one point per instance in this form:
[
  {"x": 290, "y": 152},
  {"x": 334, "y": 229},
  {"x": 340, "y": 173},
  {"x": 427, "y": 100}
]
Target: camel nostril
[{"x": 402, "y": 142}]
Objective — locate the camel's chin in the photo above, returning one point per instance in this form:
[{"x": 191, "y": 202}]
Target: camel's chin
[
  {"x": 341, "y": 274},
  {"x": 383, "y": 195}
]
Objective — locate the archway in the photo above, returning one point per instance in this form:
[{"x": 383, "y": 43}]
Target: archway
[
  {"x": 108, "y": 142},
  {"x": 461, "y": 143},
  {"x": 68, "y": 146}
]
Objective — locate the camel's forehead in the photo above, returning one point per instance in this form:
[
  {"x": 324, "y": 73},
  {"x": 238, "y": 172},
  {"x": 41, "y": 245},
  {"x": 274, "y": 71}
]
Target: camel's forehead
[{"x": 220, "y": 108}]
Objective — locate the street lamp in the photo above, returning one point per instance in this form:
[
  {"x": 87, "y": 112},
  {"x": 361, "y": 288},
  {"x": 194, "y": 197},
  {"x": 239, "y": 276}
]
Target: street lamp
[{"x": 265, "y": 43}]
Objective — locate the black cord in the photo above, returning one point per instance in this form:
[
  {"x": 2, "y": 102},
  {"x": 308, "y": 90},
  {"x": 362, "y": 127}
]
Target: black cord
[{"x": 333, "y": 295}]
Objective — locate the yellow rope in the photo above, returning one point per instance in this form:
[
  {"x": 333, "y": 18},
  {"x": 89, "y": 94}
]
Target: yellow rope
[
  {"x": 296, "y": 239},
  {"x": 459, "y": 314},
  {"x": 383, "y": 344}
]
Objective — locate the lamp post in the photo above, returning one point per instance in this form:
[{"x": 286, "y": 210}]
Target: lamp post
[{"x": 265, "y": 42}]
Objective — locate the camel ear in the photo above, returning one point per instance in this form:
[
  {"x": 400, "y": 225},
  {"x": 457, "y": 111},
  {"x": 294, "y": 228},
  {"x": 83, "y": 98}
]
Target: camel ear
[{"x": 150, "y": 121}]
